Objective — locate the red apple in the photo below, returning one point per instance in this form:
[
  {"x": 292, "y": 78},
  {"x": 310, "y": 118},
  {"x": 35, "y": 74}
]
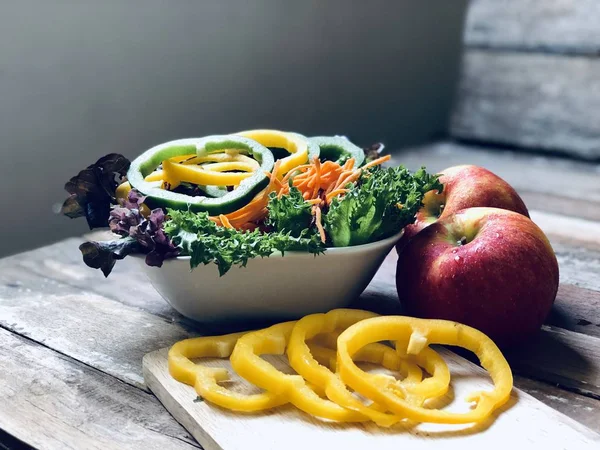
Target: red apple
[
  {"x": 465, "y": 186},
  {"x": 489, "y": 268}
]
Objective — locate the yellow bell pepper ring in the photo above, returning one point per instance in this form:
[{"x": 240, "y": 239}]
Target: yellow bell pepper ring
[
  {"x": 297, "y": 145},
  {"x": 301, "y": 360},
  {"x": 230, "y": 166},
  {"x": 246, "y": 361},
  {"x": 175, "y": 173},
  {"x": 379, "y": 354},
  {"x": 205, "y": 380},
  {"x": 418, "y": 334}
]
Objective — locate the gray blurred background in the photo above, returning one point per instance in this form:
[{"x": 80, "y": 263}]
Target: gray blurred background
[{"x": 79, "y": 79}]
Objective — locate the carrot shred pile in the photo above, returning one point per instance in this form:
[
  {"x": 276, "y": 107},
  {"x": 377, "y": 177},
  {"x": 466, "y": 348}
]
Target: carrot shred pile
[{"x": 318, "y": 182}]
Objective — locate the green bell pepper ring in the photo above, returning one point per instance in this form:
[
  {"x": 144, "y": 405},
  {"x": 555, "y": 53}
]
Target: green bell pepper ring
[
  {"x": 231, "y": 201},
  {"x": 338, "y": 149}
]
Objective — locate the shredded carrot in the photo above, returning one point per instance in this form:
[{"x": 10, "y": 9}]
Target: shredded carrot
[
  {"x": 318, "y": 182},
  {"x": 317, "y": 177},
  {"x": 335, "y": 194},
  {"x": 224, "y": 221},
  {"x": 317, "y": 213},
  {"x": 377, "y": 161}
]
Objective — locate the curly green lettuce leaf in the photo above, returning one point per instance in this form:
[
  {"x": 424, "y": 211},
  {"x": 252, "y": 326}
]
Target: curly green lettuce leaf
[
  {"x": 290, "y": 213},
  {"x": 381, "y": 204},
  {"x": 205, "y": 242}
]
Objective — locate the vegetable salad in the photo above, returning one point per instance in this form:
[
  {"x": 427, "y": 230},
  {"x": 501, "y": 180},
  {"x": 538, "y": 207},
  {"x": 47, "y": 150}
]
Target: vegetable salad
[{"x": 227, "y": 199}]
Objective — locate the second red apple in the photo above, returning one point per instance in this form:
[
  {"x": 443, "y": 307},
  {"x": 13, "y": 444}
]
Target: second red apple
[{"x": 465, "y": 186}]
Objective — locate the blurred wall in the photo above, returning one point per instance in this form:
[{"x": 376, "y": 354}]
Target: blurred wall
[{"x": 79, "y": 79}]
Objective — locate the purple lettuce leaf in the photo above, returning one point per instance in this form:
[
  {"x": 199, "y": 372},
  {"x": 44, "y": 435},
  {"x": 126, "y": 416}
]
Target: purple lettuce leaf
[
  {"x": 104, "y": 255},
  {"x": 151, "y": 236},
  {"x": 93, "y": 190}
]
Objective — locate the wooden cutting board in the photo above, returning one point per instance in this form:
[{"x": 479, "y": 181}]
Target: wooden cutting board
[{"x": 523, "y": 423}]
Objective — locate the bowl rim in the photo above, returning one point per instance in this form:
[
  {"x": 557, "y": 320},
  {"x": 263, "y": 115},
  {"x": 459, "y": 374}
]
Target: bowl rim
[{"x": 329, "y": 250}]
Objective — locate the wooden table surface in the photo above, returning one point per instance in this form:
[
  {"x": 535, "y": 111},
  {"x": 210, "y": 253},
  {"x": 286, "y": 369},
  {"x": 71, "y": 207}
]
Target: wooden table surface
[{"x": 71, "y": 341}]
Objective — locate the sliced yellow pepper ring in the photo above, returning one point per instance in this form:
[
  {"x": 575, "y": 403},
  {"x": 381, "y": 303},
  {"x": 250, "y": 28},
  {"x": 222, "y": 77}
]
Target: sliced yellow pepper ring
[
  {"x": 186, "y": 168},
  {"x": 206, "y": 379},
  {"x": 378, "y": 354},
  {"x": 302, "y": 362},
  {"x": 246, "y": 361},
  {"x": 230, "y": 156},
  {"x": 175, "y": 173},
  {"x": 295, "y": 144},
  {"x": 222, "y": 162},
  {"x": 418, "y": 334},
  {"x": 157, "y": 175},
  {"x": 232, "y": 165}
]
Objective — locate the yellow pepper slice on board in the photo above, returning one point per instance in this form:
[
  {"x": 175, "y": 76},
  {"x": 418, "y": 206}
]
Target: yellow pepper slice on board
[
  {"x": 379, "y": 354},
  {"x": 206, "y": 379},
  {"x": 302, "y": 362},
  {"x": 246, "y": 361},
  {"x": 293, "y": 143},
  {"x": 418, "y": 334}
]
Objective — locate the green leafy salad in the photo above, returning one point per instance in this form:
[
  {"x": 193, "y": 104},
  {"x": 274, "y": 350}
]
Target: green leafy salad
[{"x": 227, "y": 199}]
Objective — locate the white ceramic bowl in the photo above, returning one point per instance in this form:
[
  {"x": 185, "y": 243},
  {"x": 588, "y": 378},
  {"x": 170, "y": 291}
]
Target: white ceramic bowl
[{"x": 273, "y": 288}]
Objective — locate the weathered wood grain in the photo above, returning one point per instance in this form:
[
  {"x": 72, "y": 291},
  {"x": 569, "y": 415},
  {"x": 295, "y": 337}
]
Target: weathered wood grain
[
  {"x": 554, "y": 26},
  {"x": 578, "y": 356},
  {"x": 584, "y": 409},
  {"x": 568, "y": 229},
  {"x": 59, "y": 267},
  {"x": 523, "y": 420},
  {"x": 579, "y": 266},
  {"x": 50, "y": 401},
  {"x": 576, "y": 309},
  {"x": 556, "y": 185},
  {"x": 543, "y": 102},
  {"x": 108, "y": 335}
]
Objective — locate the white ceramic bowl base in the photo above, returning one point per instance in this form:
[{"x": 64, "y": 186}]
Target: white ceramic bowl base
[{"x": 280, "y": 288}]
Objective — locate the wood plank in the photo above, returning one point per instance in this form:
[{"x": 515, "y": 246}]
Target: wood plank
[
  {"x": 59, "y": 268},
  {"x": 555, "y": 185},
  {"x": 576, "y": 309},
  {"x": 584, "y": 409},
  {"x": 52, "y": 402},
  {"x": 568, "y": 229},
  {"x": 557, "y": 26},
  {"x": 578, "y": 356},
  {"x": 109, "y": 336},
  {"x": 543, "y": 102},
  {"x": 524, "y": 420}
]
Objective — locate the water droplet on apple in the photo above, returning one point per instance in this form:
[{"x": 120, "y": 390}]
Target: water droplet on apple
[
  {"x": 497, "y": 235},
  {"x": 454, "y": 251},
  {"x": 457, "y": 258}
]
